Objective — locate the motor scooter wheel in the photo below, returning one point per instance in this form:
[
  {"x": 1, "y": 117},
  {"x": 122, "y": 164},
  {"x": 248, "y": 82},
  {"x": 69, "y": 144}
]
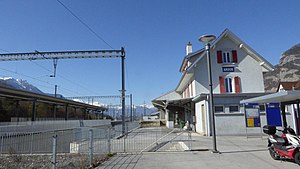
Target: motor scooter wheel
[
  {"x": 297, "y": 158},
  {"x": 274, "y": 154}
]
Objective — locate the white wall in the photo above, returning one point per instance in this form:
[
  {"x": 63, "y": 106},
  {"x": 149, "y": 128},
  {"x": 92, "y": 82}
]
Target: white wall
[
  {"x": 199, "y": 118},
  {"x": 234, "y": 124},
  {"x": 247, "y": 68}
]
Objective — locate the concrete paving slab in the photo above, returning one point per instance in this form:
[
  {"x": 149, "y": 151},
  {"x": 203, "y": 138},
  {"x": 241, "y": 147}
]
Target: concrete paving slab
[{"x": 235, "y": 153}]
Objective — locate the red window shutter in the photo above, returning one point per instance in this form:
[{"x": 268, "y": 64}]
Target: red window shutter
[
  {"x": 222, "y": 84},
  {"x": 237, "y": 84},
  {"x": 219, "y": 56},
  {"x": 234, "y": 56}
]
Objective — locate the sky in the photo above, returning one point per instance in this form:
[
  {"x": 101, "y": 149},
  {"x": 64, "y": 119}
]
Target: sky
[{"x": 154, "y": 34}]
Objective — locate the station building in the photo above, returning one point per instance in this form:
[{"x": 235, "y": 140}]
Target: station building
[{"x": 237, "y": 74}]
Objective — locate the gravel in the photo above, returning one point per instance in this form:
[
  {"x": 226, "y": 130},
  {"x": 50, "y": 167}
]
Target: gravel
[{"x": 66, "y": 161}]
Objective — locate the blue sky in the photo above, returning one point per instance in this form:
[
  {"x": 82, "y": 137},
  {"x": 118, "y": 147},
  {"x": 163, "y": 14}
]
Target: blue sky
[{"x": 153, "y": 32}]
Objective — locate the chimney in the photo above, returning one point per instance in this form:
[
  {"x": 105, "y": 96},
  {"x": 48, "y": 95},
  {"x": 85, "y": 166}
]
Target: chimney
[{"x": 189, "y": 48}]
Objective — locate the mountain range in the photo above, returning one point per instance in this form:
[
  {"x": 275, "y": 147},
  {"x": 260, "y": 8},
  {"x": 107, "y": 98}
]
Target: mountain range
[
  {"x": 288, "y": 69},
  {"x": 19, "y": 84}
]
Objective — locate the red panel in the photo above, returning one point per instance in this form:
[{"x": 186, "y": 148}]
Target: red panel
[
  {"x": 237, "y": 84},
  {"x": 234, "y": 56},
  {"x": 222, "y": 85},
  {"x": 219, "y": 56}
]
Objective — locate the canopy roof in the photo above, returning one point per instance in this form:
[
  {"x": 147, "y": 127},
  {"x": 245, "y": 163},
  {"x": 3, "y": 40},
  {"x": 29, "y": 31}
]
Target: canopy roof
[
  {"x": 286, "y": 97},
  {"x": 30, "y": 96}
]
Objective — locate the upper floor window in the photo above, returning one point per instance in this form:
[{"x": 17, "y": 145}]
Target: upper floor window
[
  {"x": 227, "y": 56},
  {"x": 230, "y": 84}
]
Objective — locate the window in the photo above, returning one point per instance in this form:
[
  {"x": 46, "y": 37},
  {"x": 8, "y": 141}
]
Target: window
[
  {"x": 227, "y": 57},
  {"x": 219, "y": 109},
  {"x": 228, "y": 85},
  {"x": 233, "y": 109}
]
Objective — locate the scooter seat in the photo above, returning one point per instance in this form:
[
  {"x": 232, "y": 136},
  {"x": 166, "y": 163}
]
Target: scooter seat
[{"x": 279, "y": 139}]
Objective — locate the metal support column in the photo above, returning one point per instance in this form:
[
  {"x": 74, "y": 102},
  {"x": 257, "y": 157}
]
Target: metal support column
[
  {"x": 130, "y": 107},
  {"x": 33, "y": 114},
  {"x": 298, "y": 114},
  {"x": 66, "y": 112},
  {"x": 17, "y": 113},
  {"x": 123, "y": 90},
  {"x": 282, "y": 106}
]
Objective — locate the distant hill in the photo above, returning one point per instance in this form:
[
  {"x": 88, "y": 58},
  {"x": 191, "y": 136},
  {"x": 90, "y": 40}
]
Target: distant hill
[
  {"x": 288, "y": 69},
  {"x": 19, "y": 84}
]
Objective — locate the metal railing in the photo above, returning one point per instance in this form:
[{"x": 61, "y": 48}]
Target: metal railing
[{"x": 89, "y": 141}]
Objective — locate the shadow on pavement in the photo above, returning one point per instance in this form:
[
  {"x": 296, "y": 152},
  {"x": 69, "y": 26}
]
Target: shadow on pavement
[{"x": 242, "y": 151}]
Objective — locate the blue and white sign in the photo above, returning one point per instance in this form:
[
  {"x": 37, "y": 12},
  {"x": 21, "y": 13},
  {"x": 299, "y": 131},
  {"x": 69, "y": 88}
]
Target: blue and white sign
[{"x": 228, "y": 69}]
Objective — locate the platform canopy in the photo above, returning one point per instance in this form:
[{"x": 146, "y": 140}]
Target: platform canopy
[
  {"x": 30, "y": 96},
  {"x": 284, "y": 97}
]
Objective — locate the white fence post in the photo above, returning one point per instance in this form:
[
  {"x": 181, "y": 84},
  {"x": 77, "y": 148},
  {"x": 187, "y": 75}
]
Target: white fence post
[
  {"x": 108, "y": 141},
  {"x": 31, "y": 143},
  {"x": 91, "y": 147},
  {"x": 54, "y": 146}
]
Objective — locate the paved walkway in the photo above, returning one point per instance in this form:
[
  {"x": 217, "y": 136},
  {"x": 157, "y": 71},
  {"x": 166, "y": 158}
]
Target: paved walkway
[{"x": 235, "y": 153}]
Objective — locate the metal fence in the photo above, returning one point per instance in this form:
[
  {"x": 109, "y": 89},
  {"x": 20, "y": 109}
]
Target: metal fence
[{"x": 103, "y": 139}]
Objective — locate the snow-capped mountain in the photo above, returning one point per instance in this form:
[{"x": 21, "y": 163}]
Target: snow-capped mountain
[{"x": 19, "y": 84}]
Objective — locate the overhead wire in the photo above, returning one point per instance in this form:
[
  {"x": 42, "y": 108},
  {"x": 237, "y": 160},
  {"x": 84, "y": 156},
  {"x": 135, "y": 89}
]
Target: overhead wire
[
  {"x": 4, "y": 50},
  {"x": 65, "y": 89},
  {"x": 89, "y": 28},
  {"x": 85, "y": 24},
  {"x": 43, "y": 67},
  {"x": 92, "y": 92},
  {"x": 64, "y": 78}
]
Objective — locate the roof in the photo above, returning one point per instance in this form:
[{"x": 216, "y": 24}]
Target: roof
[
  {"x": 282, "y": 97},
  {"x": 30, "y": 96},
  {"x": 185, "y": 78},
  {"x": 227, "y": 33},
  {"x": 167, "y": 96},
  {"x": 289, "y": 85},
  {"x": 187, "y": 57},
  {"x": 160, "y": 104},
  {"x": 200, "y": 53},
  {"x": 204, "y": 96}
]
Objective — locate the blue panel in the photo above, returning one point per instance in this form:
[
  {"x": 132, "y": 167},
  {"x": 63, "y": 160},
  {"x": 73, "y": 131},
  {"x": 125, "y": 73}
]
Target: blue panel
[
  {"x": 228, "y": 69},
  {"x": 256, "y": 122},
  {"x": 273, "y": 105},
  {"x": 273, "y": 116}
]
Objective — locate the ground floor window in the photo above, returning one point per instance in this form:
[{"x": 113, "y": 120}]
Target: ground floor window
[
  {"x": 219, "y": 109},
  {"x": 234, "y": 109},
  {"x": 227, "y": 109}
]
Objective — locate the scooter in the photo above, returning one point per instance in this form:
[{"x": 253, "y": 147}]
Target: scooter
[{"x": 286, "y": 146}]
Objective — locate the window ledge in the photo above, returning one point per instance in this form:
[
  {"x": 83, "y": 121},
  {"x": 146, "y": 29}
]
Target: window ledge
[{"x": 229, "y": 64}]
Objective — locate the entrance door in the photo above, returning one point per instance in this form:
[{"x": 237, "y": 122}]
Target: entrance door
[{"x": 203, "y": 122}]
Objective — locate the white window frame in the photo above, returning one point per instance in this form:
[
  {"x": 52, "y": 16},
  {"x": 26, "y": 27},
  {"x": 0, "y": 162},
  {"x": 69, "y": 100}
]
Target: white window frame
[
  {"x": 229, "y": 84},
  {"x": 227, "y": 57}
]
